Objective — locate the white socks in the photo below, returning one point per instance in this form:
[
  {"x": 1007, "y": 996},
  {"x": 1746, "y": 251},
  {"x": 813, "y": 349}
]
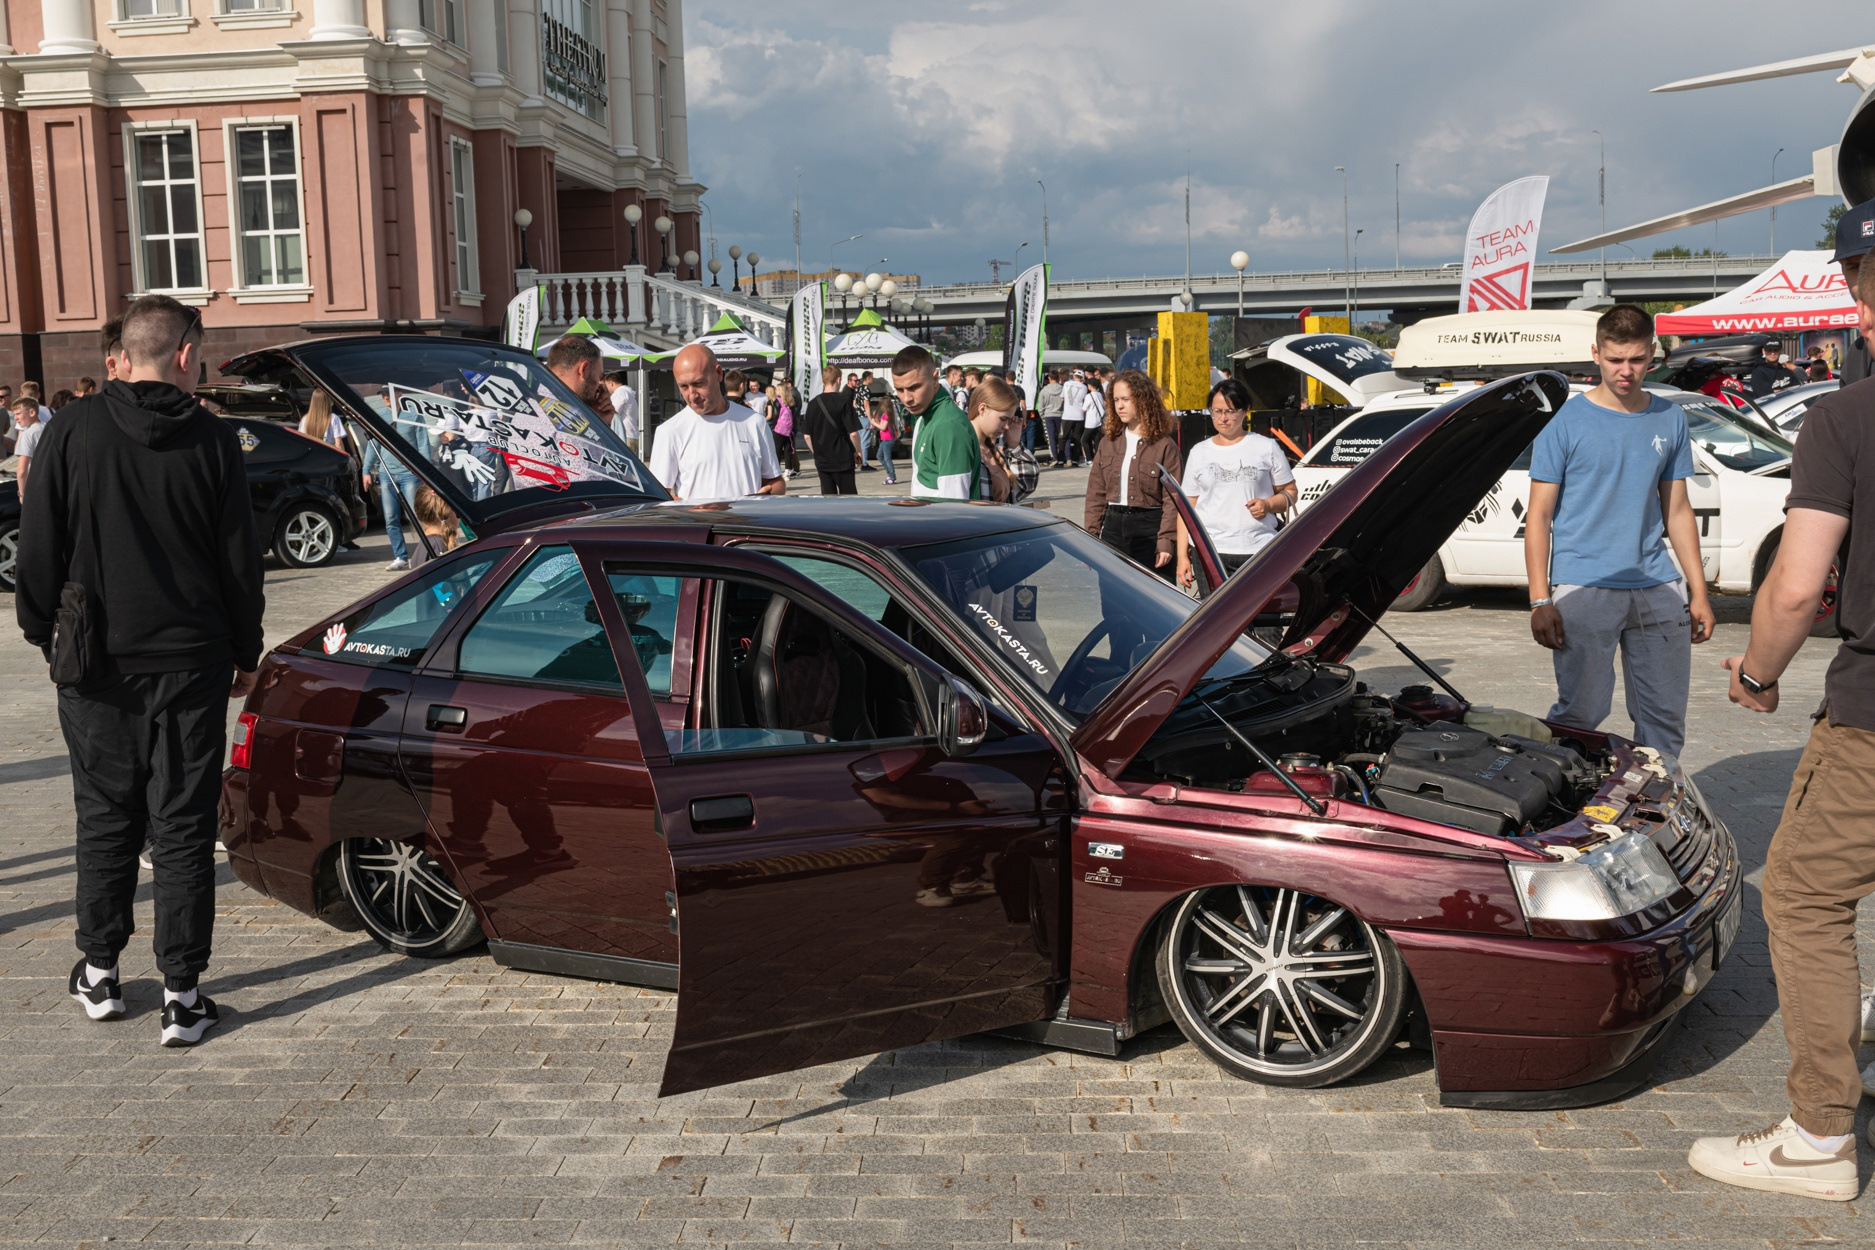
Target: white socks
[
  {"x": 1828, "y": 1145},
  {"x": 187, "y": 999},
  {"x": 95, "y": 974}
]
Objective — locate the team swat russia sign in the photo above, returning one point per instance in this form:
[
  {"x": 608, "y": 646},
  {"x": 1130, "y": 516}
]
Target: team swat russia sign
[{"x": 1500, "y": 247}]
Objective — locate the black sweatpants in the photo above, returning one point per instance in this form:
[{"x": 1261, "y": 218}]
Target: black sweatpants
[
  {"x": 146, "y": 753},
  {"x": 1134, "y": 532},
  {"x": 838, "y": 481}
]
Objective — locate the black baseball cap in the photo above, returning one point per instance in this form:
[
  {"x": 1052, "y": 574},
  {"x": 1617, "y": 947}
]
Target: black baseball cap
[{"x": 1855, "y": 232}]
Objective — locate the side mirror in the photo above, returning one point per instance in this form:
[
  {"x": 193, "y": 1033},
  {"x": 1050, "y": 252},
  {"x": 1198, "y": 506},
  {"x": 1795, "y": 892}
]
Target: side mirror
[{"x": 963, "y": 720}]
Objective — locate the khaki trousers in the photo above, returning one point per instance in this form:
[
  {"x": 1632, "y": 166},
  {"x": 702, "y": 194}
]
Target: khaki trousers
[{"x": 1822, "y": 863}]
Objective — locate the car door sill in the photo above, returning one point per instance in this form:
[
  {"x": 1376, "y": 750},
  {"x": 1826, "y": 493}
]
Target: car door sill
[
  {"x": 585, "y": 964},
  {"x": 1093, "y": 1037}
]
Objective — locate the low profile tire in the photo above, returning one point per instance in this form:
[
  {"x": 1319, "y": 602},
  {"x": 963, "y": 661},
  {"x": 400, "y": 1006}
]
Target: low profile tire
[
  {"x": 307, "y": 538},
  {"x": 403, "y": 899},
  {"x": 1423, "y": 590},
  {"x": 9, "y": 556},
  {"x": 1279, "y": 986}
]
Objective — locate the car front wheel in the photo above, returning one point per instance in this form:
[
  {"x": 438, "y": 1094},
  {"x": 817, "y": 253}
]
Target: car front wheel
[
  {"x": 403, "y": 899},
  {"x": 1280, "y": 986},
  {"x": 308, "y": 537}
]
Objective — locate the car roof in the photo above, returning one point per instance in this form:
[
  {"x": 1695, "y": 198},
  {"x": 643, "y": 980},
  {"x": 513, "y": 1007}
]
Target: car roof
[{"x": 876, "y": 522}]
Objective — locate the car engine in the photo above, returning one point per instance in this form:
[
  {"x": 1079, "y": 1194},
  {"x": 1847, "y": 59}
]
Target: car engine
[{"x": 1461, "y": 776}]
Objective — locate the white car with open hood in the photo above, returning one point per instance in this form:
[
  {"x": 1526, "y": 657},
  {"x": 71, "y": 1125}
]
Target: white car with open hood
[{"x": 1741, "y": 474}]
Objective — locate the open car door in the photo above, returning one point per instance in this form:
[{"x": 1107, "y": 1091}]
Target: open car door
[
  {"x": 487, "y": 427},
  {"x": 865, "y": 853}
]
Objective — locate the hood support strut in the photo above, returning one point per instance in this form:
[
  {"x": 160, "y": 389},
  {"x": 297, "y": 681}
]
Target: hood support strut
[
  {"x": 1263, "y": 757},
  {"x": 1407, "y": 651}
]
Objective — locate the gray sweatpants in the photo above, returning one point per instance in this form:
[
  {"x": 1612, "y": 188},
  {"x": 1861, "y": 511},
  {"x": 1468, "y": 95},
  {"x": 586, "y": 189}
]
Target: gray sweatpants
[{"x": 1654, "y": 630}]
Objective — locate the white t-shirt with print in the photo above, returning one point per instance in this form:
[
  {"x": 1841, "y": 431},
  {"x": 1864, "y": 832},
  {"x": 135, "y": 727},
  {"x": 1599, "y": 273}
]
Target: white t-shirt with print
[
  {"x": 1073, "y": 400},
  {"x": 758, "y": 404},
  {"x": 1225, "y": 479},
  {"x": 710, "y": 459},
  {"x": 625, "y": 412}
]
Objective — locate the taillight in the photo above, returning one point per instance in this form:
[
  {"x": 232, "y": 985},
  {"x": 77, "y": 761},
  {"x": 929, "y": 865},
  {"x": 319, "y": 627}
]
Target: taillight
[{"x": 243, "y": 740}]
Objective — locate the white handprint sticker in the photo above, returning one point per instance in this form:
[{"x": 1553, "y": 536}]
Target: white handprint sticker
[
  {"x": 471, "y": 468},
  {"x": 335, "y": 639}
]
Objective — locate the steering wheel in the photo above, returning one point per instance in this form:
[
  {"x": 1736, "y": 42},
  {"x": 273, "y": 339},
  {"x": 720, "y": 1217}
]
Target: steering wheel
[{"x": 1074, "y": 678}]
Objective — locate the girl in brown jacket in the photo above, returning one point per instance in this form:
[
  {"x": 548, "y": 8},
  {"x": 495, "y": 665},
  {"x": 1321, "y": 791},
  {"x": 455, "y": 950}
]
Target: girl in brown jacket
[{"x": 1128, "y": 505}]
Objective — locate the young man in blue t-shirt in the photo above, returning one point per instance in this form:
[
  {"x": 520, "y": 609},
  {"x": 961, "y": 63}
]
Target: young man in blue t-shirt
[{"x": 1607, "y": 496}]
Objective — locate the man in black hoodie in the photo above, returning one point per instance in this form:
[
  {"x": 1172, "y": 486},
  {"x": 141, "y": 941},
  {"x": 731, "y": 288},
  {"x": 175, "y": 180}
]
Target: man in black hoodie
[{"x": 140, "y": 495}]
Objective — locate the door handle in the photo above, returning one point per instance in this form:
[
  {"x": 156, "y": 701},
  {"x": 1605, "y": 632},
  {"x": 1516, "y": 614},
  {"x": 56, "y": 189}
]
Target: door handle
[
  {"x": 446, "y": 719},
  {"x": 722, "y": 814}
]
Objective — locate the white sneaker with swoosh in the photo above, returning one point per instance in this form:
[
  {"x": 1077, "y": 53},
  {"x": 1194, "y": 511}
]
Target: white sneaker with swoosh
[{"x": 1780, "y": 1160}]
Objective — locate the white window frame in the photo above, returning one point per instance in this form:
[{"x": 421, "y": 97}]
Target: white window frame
[
  {"x": 176, "y": 21},
  {"x": 462, "y": 222},
  {"x": 253, "y": 14},
  {"x": 133, "y": 185},
  {"x": 282, "y": 293},
  {"x": 444, "y": 19}
]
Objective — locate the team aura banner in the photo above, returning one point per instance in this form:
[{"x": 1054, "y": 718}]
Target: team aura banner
[
  {"x": 1804, "y": 290},
  {"x": 807, "y": 338},
  {"x": 1025, "y": 326},
  {"x": 521, "y": 324},
  {"x": 1500, "y": 247}
]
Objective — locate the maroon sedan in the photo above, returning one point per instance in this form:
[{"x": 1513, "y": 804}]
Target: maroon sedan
[{"x": 857, "y": 774}]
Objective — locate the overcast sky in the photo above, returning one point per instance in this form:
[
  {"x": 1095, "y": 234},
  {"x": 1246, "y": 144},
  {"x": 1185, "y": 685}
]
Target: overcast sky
[{"x": 925, "y": 127}]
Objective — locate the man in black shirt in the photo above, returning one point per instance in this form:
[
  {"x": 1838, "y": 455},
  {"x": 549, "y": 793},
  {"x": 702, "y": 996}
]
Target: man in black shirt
[
  {"x": 1771, "y": 374},
  {"x": 832, "y": 429},
  {"x": 139, "y": 512}
]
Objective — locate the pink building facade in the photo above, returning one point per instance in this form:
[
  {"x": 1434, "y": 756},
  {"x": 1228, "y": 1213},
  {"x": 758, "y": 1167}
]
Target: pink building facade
[{"x": 302, "y": 167}]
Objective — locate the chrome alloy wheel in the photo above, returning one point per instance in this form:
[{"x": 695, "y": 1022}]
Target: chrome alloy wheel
[
  {"x": 9, "y": 556},
  {"x": 308, "y": 538},
  {"x": 1282, "y": 986},
  {"x": 403, "y": 899}
]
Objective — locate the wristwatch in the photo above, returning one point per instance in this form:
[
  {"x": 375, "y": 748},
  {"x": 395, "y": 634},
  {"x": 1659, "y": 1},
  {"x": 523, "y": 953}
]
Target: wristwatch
[{"x": 1753, "y": 684}]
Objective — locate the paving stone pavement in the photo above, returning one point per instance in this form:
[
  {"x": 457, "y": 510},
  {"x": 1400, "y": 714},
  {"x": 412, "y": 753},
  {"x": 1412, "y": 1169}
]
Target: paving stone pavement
[{"x": 352, "y": 1097}]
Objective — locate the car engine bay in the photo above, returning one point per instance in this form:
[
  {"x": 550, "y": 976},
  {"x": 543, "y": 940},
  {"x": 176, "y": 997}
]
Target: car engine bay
[{"x": 1331, "y": 736}]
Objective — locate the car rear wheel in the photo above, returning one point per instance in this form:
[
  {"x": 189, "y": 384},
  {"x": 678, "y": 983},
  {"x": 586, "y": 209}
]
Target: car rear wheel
[
  {"x": 308, "y": 537},
  {"x": 1423, "y": 590},
  {"x": 1281, "y": 986},
  {"x": 403, "y": 899},
  {"x": 9, "y": 555}
]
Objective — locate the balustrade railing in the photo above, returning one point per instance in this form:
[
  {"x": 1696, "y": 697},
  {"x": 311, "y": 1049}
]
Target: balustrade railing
[{"x": 632, "y": 299}]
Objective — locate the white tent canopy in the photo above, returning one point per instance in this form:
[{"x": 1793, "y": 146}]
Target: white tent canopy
[
  {"x": 868, "y": 342},
  {"x": 1804, "y": 290}
]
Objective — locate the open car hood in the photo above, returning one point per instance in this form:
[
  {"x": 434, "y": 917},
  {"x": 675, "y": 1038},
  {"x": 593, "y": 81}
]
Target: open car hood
[
  {"x": 1349, "y": 556},
  {"x": 1349, "y": 365},
  {"x": 486, "y": 426}
]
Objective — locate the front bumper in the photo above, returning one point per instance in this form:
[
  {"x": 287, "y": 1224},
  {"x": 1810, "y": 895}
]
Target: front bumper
[{"x": 1545, "y": 1024}]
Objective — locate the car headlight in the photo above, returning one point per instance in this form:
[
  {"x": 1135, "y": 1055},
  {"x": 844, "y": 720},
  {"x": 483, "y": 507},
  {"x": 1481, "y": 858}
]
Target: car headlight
[{"x": 1617, "y": 878}]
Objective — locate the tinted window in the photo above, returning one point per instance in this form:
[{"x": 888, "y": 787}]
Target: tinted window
[
  {"x": 544, "y": 626},
  {"x": 397, "y": 629},
  {"x": 262, "y": 442},
  {"x": 873, "y": 601},
  {"x": 649, "y": 605},
  {"x": 1361, "y": 437}
]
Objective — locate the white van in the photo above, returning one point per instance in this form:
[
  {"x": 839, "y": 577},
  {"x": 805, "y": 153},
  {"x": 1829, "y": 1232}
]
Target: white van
[{"x": 1740, "y": 479}]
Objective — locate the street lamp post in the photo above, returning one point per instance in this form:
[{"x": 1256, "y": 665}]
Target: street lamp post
[
  {"x": 848, "y": 239},
  {"x": 1774, "y": 157},
  {"x": 690, "y": 260},
  {"x": 843, "y": 282},
  {"x": 663, "y": 226},
  {"x": 633, "y": 215},
  {"x": 1347, "y": 249},
  {"x": 874, "y": 281},
  {"x": 716, "y": 267},
  {"x": 523, "y": 219},
  {"x": 755, "y": 258},
  {"x": 1396, "y": 216},
  {"x": 735, "y": 267},
  {"x": 1355, "y": 276},
  {"x": 1240, "y": 261},
  {"x": 1601, "y": 198},
  {"x": 1016, "y": 264},
  {"x": 1044, "y": 187}
]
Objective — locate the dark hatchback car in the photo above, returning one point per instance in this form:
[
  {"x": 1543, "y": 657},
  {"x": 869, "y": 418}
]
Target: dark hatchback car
[{"x": 857, "y": 774}]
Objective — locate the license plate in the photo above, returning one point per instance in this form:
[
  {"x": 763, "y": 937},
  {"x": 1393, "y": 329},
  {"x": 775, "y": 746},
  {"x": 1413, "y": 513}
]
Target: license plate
[{"x": 1725, "y": 929}]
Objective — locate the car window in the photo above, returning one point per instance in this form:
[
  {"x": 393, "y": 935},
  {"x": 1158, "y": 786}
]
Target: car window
[
  {"x": 1361, "y": 437},
  {"x": 544, "y": 626},
  {"x": 263, "y": 442},
  {"x": 397, "y": 629},
  {"x": 865, "y": 595},
  {"x": 1064, "y": 610},
  {"x": 775, "y": 673},
  {"x": 649, "y": 604},
  {"x": 1731, "y": 444}
]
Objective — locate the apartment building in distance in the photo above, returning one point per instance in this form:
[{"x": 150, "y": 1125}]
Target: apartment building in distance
[{"x": 303, "y": 167}]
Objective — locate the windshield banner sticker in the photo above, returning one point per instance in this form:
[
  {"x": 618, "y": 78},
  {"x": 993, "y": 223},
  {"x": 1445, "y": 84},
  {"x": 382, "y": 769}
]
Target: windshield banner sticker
[
  {"x": 542, "y": 442},
  {"x": 1009, "y": 640}
]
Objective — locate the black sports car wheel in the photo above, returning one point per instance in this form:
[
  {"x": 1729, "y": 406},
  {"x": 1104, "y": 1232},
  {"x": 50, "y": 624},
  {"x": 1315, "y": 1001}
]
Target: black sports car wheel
[
  {"x": 308, "y": 537},
  {"x": 1423, "y": 589},
  {"x": 9, "y": 554},
  {"x": 404, "y": 900},
  {"x": 1281, "y": 986}
]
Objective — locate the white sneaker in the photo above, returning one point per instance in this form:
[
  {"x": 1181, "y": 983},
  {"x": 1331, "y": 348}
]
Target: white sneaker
[
  {"x": 1868, "y": 1087},
  {"x": 398, "y": 566},
  {"x": 1778, "y": 1159},
  {"x": 936, "y": 896},
  {"x": 1868, "y": 1017},
  {"x": 143, "y": 858}
]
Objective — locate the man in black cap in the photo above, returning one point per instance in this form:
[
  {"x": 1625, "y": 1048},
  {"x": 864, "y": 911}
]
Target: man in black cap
[
  {"x": 1771, "y": 374},
  {"x": 1855, "y": 238}
]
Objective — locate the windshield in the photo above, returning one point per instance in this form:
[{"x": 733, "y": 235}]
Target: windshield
[
  {"x": 489, "y": 423},
  {"x": 1719, "y": 434},
  {"x": 1064, "y": 610}
]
